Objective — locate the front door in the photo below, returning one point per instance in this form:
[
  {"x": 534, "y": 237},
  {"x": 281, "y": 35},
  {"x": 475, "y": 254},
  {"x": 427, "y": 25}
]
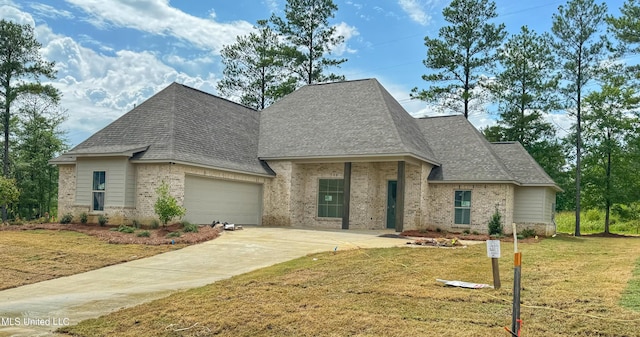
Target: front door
[{"x": 391, "y": 203}]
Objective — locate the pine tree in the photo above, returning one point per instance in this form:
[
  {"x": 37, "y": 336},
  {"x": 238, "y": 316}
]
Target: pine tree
[
  {"x": 21, "y": 67},
  {"x": 576, "y": 28},
  {"x": 306, "y": 28},
  {"x": 463, "y": 53},
  {"x": 255, "y": 72}
]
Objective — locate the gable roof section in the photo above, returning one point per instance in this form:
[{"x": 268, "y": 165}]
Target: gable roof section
[
  {"x": 522, "y": 166},
  {"x": 340, "y": 119},
  {"x": 184, "y": 125},
  {"x": 465, "y": 154}
]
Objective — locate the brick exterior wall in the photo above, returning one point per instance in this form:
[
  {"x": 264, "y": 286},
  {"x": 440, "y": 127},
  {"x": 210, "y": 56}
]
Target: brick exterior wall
[
  {"x": 293, "y": 195},
  {"x": 276, "y": 210},
  {"x": 485, "y": 198},
  {"x": 66, "y": 189},
  {"x": 290, "y": 198},
  {"x": 148, "y": 179}
]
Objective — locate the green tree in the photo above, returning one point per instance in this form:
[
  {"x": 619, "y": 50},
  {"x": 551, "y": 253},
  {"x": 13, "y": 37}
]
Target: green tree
[
  {"x": 306, "y": 28},
  {"x": 462, "y": 54},
  {"x": 9, "y": 192},
  {"x": 38, "y": 139},
  {"x": 632, "y": 145},
  {"x": 579, "y": 46},
  {"x": 607, "y": 123},
  {"x": 495, "y": 223},
  {"x": 626, "y": 28},
  {"x": 21, "y": 67},
  {"x": 166, "y": 206},
  {"x": 525, "y": 88},
  {"x": 255, "y": 68}
]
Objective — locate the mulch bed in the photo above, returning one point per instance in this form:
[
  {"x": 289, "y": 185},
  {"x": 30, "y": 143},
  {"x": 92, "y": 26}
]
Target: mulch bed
[
  {"x": 105, "y": 233},
  {"x": 462, "y": 236}
]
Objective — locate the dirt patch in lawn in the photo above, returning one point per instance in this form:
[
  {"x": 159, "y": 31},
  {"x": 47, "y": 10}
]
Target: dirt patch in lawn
[{"x": 110, "y": 234}]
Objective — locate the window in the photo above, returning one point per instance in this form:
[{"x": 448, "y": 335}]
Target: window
[
  {"x": 99, "y": 182},
  {"x": 330, "y": 198},
  {"x": 462, "y": 207}
]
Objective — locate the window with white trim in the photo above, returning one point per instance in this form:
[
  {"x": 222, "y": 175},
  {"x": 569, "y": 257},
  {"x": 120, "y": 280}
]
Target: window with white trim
[
  {"x": 98, "y": 190},
  {"x": 462, "y": 206}
]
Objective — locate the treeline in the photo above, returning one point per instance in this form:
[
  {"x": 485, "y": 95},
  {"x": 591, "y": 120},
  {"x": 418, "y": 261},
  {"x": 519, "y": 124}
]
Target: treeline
[
  {"x": 30, "y": 119},
  {"x": 578, "y": 69}
]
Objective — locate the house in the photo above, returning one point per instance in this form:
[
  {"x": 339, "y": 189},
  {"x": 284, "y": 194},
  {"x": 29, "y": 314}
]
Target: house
[{"x": 336, "y": 155}]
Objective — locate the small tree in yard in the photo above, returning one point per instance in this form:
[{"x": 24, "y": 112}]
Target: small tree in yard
[
  {"x": 166, "y": 206},
  {"x": 495, "y": 224},
  {"x": 8, "y": 191}
]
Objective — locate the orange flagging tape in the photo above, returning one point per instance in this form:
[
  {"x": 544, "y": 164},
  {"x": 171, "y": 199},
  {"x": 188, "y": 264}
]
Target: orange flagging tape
[{"x": 517, "y": 260}]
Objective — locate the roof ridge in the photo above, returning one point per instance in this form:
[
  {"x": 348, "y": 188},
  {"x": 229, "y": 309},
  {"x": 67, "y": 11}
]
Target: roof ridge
[
  {"x": 383, "y": 93},
  {"x": 530, "y": 158},
  {"x": 495, "y": 156},
  {"x": 339, "y": 82},
  {"x": 216, "y": 96},
  {"x": 439, "y": 116},
  {"x": 172, "y": 118},
  {"x": 378, "y": 88}
]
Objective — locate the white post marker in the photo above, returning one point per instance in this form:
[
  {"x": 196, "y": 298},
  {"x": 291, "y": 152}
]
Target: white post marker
[
  {"x": 493, "y": 251},
  {"x": 515, "y": 238}
]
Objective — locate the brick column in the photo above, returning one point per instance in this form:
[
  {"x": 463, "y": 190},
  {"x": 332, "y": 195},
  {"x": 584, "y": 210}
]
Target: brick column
[
  {"x": 346, "y": 195},
  {"x": 400, "y": 197}
]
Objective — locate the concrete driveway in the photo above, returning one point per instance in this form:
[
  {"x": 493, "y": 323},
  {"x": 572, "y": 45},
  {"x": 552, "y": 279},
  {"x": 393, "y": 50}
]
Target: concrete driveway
[{"x": 40, "y": 308}]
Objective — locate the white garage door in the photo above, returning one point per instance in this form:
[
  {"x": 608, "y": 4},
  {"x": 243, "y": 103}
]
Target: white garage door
[{"x": 209, "y": 199}]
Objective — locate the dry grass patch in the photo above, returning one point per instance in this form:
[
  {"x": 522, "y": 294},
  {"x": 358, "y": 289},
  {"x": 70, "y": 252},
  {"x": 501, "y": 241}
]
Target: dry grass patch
[
  {"x": 38, "y": 255},
  {"x": 572, "y": 287}
]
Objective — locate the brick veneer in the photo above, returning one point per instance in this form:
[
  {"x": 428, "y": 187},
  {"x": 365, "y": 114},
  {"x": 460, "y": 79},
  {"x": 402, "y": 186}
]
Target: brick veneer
[
  {"x": 485, "y": 198},
  {"x": 290, "y": 198},
  {"x": 148, "y": 179}
]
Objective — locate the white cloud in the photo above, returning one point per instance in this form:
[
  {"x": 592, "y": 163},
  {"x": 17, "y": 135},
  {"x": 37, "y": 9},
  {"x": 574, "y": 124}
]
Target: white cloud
[
  {"x": 159, "y": 18},
  {"x": 50, "y": 12},
  {"x": 347, "y": 32},
  {"x": 271, "y": 4},
  {"x": 99, "y": 88},
  {"x": 11, "y": 12},
  {"x": 415, "y": 11},
  {"x": 562, "y": 122}
]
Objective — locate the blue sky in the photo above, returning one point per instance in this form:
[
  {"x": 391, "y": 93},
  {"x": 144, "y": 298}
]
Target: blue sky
[{"x": 112, "y": 55}]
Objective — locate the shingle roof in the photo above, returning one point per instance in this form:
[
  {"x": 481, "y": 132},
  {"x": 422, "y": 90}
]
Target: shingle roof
[
  {"x": 334, "y": 120},
  {"x": 341, "y": 119},
  {"x": 466, "y": 155},
  {"x": 182, "y": 124},
  {"x": 521, "y": 165}
]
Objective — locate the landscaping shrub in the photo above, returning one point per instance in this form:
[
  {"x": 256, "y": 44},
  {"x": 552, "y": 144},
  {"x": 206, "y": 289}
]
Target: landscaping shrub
[
  {"x": 174, "y": 235},
  {"x": 189, "y": 227},
  {"x": 16, "y": 222},
  {"x": 102, "y": 220},
  {"x": 84, "y": 218},
  {"x": 528, "y": 233},
  {"x": 125, "y": 229},
  {"x": 66, "y": 219},
  {"x": 135, "y": 223},
  {"x": 155, "y": 224},
  {"x": 143, "y": 234},
  {"x": 166, "y": 206},
  {"x": 495, "y": 224}
]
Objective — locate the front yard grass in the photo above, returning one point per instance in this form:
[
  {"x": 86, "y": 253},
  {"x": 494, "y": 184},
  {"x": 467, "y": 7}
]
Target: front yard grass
[
  {"x": 38, "y": 255},
  {"x": 571, "y": 287}
]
